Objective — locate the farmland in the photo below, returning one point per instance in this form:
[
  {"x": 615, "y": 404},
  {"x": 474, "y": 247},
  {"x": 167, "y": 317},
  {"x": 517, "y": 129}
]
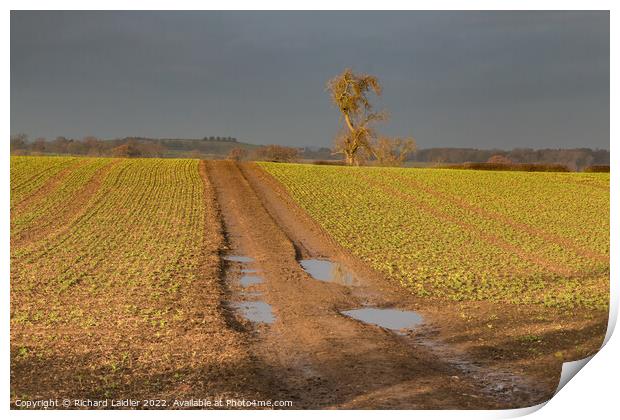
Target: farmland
[
  {"x": 114, "y": 269},
  {"x": 538, "y": 238},
  {"x": 120, "y": 287}
]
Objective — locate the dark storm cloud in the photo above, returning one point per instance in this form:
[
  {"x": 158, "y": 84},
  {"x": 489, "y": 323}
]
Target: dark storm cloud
[{"x": 472, "y": 79}]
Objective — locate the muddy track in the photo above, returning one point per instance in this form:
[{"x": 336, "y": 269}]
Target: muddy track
[{"x": 317, "y": 357}]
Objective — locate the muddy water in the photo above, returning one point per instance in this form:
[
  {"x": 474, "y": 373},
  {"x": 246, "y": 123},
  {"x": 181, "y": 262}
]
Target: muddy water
[
  {"x": 238, "y": 258},
  {"x": 255, "y": 311},
  {"x": 247, "y": 281},
  {"x": 250, "y": 306},
  {"x": 329, "y": 271},
  {"x": 393, "y": 319}
]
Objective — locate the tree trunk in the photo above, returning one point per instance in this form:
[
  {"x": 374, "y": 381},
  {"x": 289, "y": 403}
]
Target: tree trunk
[
  {"x": 350, "y": 154},
  {"x": 349, "y": 123}
]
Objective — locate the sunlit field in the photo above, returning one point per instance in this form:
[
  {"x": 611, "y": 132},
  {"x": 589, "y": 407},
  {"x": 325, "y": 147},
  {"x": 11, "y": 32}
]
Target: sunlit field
[{"x": 516, "y": 237}]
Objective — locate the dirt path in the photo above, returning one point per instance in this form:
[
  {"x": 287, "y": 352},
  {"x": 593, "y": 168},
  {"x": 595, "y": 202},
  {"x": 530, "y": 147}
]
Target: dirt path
[{"x": 318, "y": 357}]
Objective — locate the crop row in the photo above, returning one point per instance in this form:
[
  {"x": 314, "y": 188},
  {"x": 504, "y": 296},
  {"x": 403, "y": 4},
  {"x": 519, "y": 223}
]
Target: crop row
[
  {"x": 444, "y": 233},
  {"x": 29, "y": 173},
  {"x": 137, "y": 229},
  {"x": 115, "y": 283},
  {"x": 133, "y": 252},
  {"x": 50, "y": 206}
]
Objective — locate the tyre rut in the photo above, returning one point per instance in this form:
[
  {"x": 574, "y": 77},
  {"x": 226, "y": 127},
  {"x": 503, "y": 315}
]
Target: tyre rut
[{"x": 322, "y": 359}]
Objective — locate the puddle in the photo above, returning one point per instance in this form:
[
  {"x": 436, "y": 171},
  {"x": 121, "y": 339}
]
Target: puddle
[
  {"x": 250, "y": 280},
  {"x": 238, "y": 258},
  {"x": 255, "y": 311},
  {"x": 392, "y": 319},
  {"x": 329, "y": 271}
]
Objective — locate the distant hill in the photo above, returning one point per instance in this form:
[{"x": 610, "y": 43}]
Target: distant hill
[{"x": 214, "y": 146}]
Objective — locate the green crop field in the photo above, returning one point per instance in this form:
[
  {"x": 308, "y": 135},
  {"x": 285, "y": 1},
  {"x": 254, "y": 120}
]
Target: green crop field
[
  {"x": 517, "y": 237},
  {"x": 114, "y": 270}
]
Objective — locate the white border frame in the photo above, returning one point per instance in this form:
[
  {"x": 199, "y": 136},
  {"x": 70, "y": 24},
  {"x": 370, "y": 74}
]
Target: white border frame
[{"x": 592, "y": 393}]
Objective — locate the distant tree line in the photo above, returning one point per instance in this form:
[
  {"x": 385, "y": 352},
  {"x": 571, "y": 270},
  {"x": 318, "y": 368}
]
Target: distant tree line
[
  {"x": 88, "y": 146},
  {"x": 502, "y": 166},
  {"x": 270, "y": 153},
  {"x": 218, "y": 138},
  {"x": 574, "y": 159},
  {"x": 125, "y": 147}
]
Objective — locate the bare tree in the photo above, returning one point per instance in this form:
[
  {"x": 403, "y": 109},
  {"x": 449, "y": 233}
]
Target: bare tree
[
  {"x": 151, "y": 149},
  {"x": 60, "y": 145},
  {"x": 237, "y": 154},
  {"x": 276, "y": 153},
  {"x": 393, "y": 151},
  {"x": 349, "y": 92},
  {"x": 500, "y": 159},
  {"x": 128, "y": 150},
  {"x": 94, "y": 146},
  {"x": 39, "y": 146},
  {"x": 76, "y": 147},
  {"x": 19, "y": 142}
]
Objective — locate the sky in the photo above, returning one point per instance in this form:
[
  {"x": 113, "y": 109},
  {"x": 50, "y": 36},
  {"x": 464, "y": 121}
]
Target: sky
[{"x": 450, "y": 79}]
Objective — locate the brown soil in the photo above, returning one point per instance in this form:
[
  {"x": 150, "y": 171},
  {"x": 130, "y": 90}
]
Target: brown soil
[{"x": 475, "y": 355}]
